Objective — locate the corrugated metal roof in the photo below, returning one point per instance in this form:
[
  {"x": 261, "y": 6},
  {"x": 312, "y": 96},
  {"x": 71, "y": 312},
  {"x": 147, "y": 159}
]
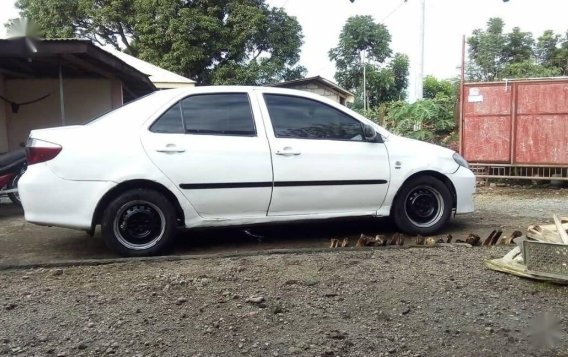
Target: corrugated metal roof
[
  {"x": 32, "y": 58},
  {"x": 157, "y": 75},
  {"x": 320, "y": 79}
]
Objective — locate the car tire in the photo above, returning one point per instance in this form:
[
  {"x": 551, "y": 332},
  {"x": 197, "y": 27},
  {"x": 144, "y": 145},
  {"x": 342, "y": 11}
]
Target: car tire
[
  {"x": 422, "y": 206},
  {"x": 15, "y": 197},
  {"x": 139, "y": 222}
]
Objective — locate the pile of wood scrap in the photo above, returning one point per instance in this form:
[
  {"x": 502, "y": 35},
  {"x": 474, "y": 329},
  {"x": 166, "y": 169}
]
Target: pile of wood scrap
[
  {"x": 542, "y": 255},
  {"x": 369, "y": 241},
  {"x": 398, "y": 239}
]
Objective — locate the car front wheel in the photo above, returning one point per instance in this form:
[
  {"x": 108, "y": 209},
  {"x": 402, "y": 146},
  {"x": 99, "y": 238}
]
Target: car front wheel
[
  {"x": 139, "y": 222},
  {"x": 422, "y": 206}
]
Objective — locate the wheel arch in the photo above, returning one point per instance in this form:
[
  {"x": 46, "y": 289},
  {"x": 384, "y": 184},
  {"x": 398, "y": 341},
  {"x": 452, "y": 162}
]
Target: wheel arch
[
  {"x": 441, "y": 177},
  {"x": 133, "y": 184}
]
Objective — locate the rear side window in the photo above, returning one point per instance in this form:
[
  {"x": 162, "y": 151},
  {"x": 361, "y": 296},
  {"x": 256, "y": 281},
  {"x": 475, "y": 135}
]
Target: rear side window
[
  {"x": 170, "y": 122},
  {"x": 302, "y": 118},
  {"x": 209, "y": 114}
]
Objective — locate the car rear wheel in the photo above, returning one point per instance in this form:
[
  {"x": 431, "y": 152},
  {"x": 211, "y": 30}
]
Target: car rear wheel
[
  {"x": 422, "y": 206},
  {"x": 139, "y": 222},
  {"x": 15, "y": 196}
]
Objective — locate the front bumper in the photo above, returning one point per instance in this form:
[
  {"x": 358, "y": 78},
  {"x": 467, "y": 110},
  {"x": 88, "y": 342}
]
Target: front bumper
[
  {"x": 464, "y": 183},
  {"x": 52, "y": 201}
]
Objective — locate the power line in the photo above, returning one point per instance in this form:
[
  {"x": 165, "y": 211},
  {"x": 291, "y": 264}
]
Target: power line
[{"x": 393, "y": 11}]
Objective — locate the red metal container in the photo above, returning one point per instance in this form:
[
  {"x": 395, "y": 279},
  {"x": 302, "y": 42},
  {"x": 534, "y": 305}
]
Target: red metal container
[{"x": 520, "y": 122}]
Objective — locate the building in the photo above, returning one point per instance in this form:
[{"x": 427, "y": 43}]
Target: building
[
  {"x": 321, "y": 86},
  {"x": 47, "y": 83},
  {"x": 161, "y": 78}
]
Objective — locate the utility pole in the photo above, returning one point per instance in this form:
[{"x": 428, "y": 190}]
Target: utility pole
[
  {"x": 420, "y": 72},
  {"x": 363, "y": 60}
]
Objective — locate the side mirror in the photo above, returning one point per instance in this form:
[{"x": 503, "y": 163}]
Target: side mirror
[{"x": 371, "y": 134}]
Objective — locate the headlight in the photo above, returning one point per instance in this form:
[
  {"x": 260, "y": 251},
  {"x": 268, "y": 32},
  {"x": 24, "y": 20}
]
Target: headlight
[{"x": 460, "y": 160}]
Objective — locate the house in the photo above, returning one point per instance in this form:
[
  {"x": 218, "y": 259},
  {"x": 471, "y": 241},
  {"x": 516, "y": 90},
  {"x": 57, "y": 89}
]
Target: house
[
  {"x": 321, "y": 86},
  {"x": 161, "y": 78},
  {"x": 46, "y": 83}
]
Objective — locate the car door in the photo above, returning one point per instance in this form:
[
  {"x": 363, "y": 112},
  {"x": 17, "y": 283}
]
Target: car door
[
  {"x": 321, "y": 161},
  {"x": 213, "y": 147}
]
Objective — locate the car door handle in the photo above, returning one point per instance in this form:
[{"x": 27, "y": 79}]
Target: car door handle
[
  {"x": 288, "y": 151},
  {"x": 171, "y": 148}
]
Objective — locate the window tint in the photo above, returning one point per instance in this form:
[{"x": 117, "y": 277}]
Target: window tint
[
  {"x": 170, "y": 122},
  {"x": 220, "y": 114},
  {"x": 296, "y": 117}
]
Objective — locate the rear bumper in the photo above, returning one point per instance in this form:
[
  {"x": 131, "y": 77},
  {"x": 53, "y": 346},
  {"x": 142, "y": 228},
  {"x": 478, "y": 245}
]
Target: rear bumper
[
  {"x": 464, "y": 183},
  {"x": 52, "y": 201}
]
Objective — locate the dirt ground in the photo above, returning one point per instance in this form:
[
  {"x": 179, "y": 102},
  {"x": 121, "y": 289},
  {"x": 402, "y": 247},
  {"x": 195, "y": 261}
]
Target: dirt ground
[
  {"x": 343, "y": 302},
  {"x": 511, "y": 208}
]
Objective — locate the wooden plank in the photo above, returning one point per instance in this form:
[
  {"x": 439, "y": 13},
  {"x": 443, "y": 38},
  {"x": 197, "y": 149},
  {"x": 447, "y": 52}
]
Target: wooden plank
[
  {"x": 547, "y": 233},
  {"x": 560, "y": 228}
]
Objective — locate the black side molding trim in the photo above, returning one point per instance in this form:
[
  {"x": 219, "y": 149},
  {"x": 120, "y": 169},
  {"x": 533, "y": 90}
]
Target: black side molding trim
[
  {"x": 329, "y": 183},
  {"x": 205, "y": 186}
]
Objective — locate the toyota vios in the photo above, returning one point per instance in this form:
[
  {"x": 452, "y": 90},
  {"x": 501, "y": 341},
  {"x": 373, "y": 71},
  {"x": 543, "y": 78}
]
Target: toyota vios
[{"x": 219, "y": 156}]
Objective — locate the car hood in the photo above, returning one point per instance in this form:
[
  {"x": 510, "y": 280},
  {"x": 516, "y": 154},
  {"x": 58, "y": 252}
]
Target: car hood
[
  {"x": 419, "y": 146},
  {"x": 405, "y": 149}
]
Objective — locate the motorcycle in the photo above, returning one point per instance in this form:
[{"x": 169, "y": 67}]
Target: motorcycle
[{"x": 12, "y": 167}]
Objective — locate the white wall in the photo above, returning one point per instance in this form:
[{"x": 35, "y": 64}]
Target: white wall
[
  {"x": 84, "y": 99},
  {"x": 318, "y": 89}
]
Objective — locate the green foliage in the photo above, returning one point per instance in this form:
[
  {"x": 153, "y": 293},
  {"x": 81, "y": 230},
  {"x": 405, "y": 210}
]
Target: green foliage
[
  {"x": 214, "y": 41},
  {"x": 434, "y": 87},
  {"x": 22, "y": 27},
  {"x": 547, "y": 47},
  {"x": 376, "y": 114},
  {"x": 387, "y": 75},
  {"x": 486, "y": 51},
  {"x": 552, "y": 51},
  {"x": 518, "y": 46},
  {"x": 528, "y": 69},
  {"x": 495, "y": 55},
  {"x": 428, "y": 119}
]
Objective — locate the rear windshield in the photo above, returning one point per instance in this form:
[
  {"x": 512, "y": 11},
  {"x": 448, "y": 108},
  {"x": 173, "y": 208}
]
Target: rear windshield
[{"x": 146, "y": 104}]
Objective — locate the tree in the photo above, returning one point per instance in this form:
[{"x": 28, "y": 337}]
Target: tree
[
  {"x": 560, "y": 58},
  {"x": 552, "y": 51},
  {"x": 387, "y": 75},
  {"x": 214, "y": 41},
  {"x": 434, "y": 88},
  {"x": 495, "y": 55},
  {"x": 22, "y": 27},
  {"x": 519, "y": 46},
  {"x": 528, "y": 69},
  {"x": 547, "y": 48},
  {"x": 427, "y": 119},
  {"x": 486, "y": 51}
]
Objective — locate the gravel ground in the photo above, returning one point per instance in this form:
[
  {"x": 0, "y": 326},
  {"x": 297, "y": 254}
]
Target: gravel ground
[
  {"x": 344, "y": 302},
  {"x": 510, "y": 208},
  {"x": 410, "y": 302}
]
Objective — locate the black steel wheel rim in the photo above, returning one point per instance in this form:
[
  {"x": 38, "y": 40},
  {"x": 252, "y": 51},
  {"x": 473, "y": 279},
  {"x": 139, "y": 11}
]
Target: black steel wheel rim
[
  {"x": 139, "y": 225},
  {"x": 424, "y": 206},
  {"x": 14, "y": 185}
]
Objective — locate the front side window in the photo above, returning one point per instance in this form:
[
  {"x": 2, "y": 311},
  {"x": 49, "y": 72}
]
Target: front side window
[
  {"x": 210, "y": 114},
  {"x": 302, "y": 118},
  {"x": 218, "y": 114}
]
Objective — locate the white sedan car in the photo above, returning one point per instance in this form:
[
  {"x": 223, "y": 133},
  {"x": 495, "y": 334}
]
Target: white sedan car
[{"x": 219, "y": 156}]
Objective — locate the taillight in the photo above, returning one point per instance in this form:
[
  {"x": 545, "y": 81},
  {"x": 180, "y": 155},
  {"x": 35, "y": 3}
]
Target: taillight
[{"x": 40, "y": 151}]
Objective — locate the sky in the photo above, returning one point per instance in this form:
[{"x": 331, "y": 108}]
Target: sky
[{"x": 446, "y": 22}]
